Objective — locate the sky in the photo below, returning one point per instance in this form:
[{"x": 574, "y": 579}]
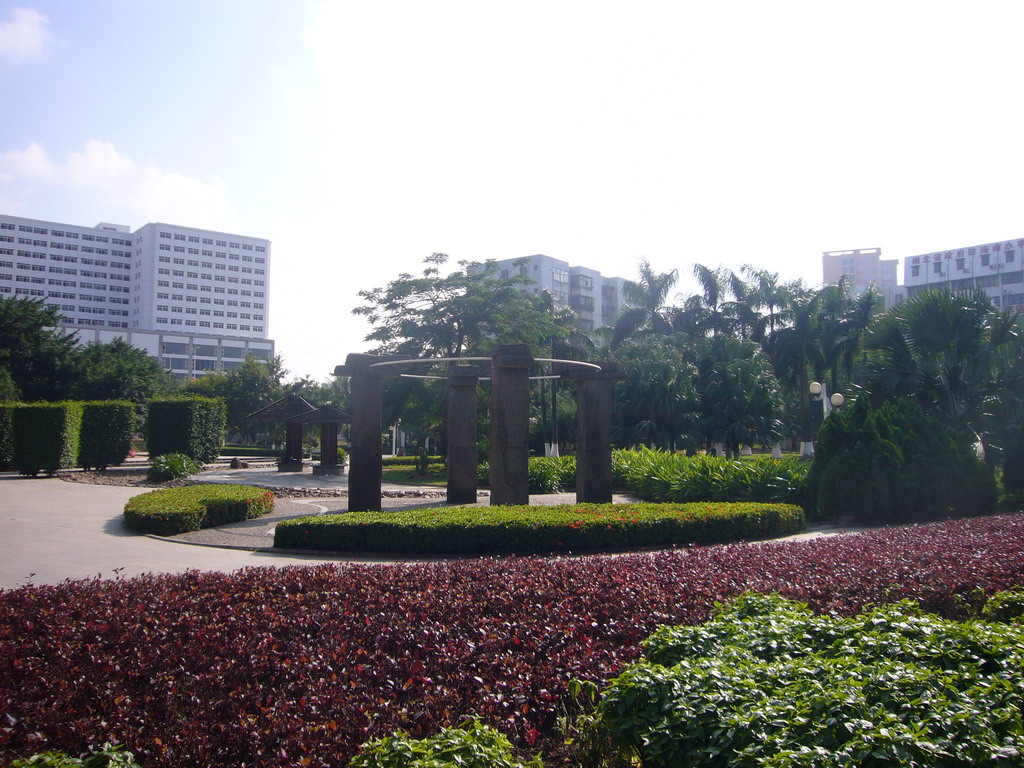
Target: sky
[{"x": 361, "y": 137}]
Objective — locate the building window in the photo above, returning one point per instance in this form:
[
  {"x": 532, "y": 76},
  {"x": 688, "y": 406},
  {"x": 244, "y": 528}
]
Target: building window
[{"x": 915, "y": 270}]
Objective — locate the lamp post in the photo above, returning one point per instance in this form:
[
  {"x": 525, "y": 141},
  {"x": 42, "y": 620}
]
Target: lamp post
[{"x": 820, "y": 392}]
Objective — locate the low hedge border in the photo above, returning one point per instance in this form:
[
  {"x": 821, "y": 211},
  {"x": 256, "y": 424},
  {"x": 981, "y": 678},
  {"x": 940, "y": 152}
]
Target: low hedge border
[
  {"x": 176, "y": 510},
  {"x": 408, "y": 461},
  {"x": 528, "y": 530}
]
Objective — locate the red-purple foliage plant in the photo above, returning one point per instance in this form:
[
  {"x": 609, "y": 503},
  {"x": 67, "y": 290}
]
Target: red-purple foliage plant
[{"x": 299, "y": 666}]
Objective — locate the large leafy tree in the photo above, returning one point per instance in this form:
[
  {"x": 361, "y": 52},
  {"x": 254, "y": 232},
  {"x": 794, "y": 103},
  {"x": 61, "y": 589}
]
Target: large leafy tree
[
  {"x": 958, "y": 356},
  {"x": 465, "y": 312},
  {"x": 40, "y": 359},
  {"x": 245, "y": 389},
  {"x": 119, "y": 371}
]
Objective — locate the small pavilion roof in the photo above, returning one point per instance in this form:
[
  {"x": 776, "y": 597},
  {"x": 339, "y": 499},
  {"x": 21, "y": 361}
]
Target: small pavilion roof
[
  {"x": 284, "y": 409},
  {"x": 327, "y": 414}
]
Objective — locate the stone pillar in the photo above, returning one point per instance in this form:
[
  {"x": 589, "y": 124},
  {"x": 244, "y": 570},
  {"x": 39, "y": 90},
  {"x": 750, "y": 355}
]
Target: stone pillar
[
  {"x": 328, "y": 450},
  {"x": 462, "y": 419},
  {"x": 510, "y": 422},
  {"x": 594, "y": 432},
  {"x": 292, "y": 461},
  {"x": 364, "y": 476}
]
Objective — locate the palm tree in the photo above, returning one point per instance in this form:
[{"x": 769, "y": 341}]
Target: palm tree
[
  {"x": 956, "y": 354},
  {"x": 711, "y": 298},
  {"x": 767, "y": 294},
  {"x": 796, "y": 351},
  {"x": 741, "y": 312},
  {"x": 645, "y": 311}
]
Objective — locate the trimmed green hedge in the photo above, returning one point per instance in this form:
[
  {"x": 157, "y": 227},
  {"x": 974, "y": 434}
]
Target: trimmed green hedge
[
  {"x": 244, "y": 451},
  {"x": 176, "y": 510},
  {"x": 106, "y": 437},
  {"x": 193, "y": 426},
  {"x": 46, "y": 437},
  {"x": 538, "y": 530},
  {"x": 6, "y": 435},
  {"x": 409, "y": 461}
]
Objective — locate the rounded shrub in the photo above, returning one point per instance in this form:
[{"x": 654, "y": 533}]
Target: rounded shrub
[
  {"x": 176, "y": 510},
  {"x": 895, "y": 463},
  {"x": 1007, "y": 605},
  {"x": 471, "y": 745},
  {"x": 172, "y": 466}
]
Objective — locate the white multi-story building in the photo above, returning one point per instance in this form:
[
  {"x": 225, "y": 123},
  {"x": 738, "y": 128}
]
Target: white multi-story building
[
  {"x": 596, "y": 299},
  {"x": 196, "y": 300},
  {"x": 865, "y": 267},
  {"x": 994, "y": 267}
]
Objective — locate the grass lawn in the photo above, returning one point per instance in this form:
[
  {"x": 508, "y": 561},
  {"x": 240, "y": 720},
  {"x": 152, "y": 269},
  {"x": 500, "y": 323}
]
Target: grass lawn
[{"x": 412, "y": 477}]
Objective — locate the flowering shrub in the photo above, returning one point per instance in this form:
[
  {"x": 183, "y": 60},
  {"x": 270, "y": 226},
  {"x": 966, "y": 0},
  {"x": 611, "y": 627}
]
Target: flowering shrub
[
  {"x": 532, "y": 530},
  {"x": 299, "y": 666}
]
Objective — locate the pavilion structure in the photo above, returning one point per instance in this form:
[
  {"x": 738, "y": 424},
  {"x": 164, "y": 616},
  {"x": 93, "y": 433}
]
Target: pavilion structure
[
  {"x": 329, "y": 417},
  {"x": 510, "y": 367},
  {"x": 286, "y": 410}
]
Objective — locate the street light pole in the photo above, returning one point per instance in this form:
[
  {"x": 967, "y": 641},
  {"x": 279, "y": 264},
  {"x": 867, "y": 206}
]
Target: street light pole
[{"x": 820, "y": 392}]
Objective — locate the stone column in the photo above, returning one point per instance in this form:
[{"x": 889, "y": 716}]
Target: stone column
[
  {"x": 364, "y": 477},
  {"x": 328, "y": 450},
  {"x": 462, "y": 420},
  {"x": 292, "y": 461},
  {"x": 594, "y": 432},
  {"x": 510, "y": 422}
]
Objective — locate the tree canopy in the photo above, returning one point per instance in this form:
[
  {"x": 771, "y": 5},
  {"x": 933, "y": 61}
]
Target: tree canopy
[
  {"x": 119, "y": 371},
  {"x": 465, "y": 312},
  {"x": 40, "y": 359}
]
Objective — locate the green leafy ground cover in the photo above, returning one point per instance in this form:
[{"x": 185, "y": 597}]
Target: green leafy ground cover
[
  {"x": 536, "y": 529},
  {"x": 766, "y": 682},
  {"x": 168, "y": 511}
]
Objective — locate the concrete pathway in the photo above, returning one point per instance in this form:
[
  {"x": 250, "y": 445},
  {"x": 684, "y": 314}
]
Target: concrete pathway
[{"x": 51, "y": 530}]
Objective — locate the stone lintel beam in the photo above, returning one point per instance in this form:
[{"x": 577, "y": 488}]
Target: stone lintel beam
[
  {"x": 609, "y": 372},
  {"x": 359, "y": 364}
]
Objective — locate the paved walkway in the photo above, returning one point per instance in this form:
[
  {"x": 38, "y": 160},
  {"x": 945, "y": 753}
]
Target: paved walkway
[{"x": 54, "y": 530}]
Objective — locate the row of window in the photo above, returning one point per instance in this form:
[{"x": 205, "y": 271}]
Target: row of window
[
  {"x": 209, "y": 241},
  {"x": 209, "y": 324}
]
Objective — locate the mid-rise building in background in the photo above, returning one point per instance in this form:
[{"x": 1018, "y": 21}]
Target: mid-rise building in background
[
  {"x": 594, "y": 297},
  {"x": 865, "y": 267},
  {"x": 194, "y": 299},
  {"x": 995, "y": 267}
]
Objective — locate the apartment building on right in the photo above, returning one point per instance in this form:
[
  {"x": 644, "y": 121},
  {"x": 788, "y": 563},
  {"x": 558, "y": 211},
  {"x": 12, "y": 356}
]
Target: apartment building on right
[
  {"x": 864, "y": 267},
  {"x": 996, "y": 268},
  {"x": 595, "y": 298}
]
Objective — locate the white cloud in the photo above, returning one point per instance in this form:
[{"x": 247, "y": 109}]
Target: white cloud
[
  {"x": 115, "y": 186},
  {"x": 23, "y": 36}
]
